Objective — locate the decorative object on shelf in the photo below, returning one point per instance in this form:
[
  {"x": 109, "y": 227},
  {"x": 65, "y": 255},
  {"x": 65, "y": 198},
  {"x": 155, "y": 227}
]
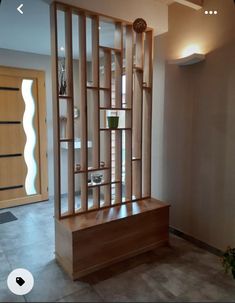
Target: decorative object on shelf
[
  {"x": 77, "y": 167},
  {"x": 96, "y": 178},
  {"x": 62, "y": 77},
  {"x": 76, "y": 112},
  {"x": 113, "y": 122},
  {"x": 89, "y": 83},
  {"x": 140, "y": 25},
  {"x": 228, "y": 261},
  {"x": 144, "y": 84},
  {"x": 102, "y": 164}
]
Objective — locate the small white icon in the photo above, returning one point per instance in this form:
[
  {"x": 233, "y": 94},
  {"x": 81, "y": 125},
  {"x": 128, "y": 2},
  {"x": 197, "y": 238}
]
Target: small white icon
[
  {"x": 20, "y": 9},
  {"x": 20, "y": 282}
]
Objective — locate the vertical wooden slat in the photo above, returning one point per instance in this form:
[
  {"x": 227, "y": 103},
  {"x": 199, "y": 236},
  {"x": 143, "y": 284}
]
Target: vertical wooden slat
[
  {"x": 148, "y": 53},
  {"x": 147, "y": 116},
  {"x": 118, "y": 64},
  {"x": 107, "y": 153},
  {"x": 146, "y": 162},
  {"x": 70, "y": 109},
  {"x": 56, "y": 126},
  {"x": 139, "y": 50},
  {"x": 83, "y": 111},
  {"x": 129, "y": 88},
  {"x": 95, "y": 104},
  {"x": 137, "y": 133},
  {"x": 137, "y": 114},
  {"x": 138, "y": 99},
  {"x": 107, "y": 134},
  {"x": 118, "y": 43},
  {"x": 118, "y": 166}
]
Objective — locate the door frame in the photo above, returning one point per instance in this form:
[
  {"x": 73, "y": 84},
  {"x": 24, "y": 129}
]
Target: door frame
[{"x": 42, "y": 131}]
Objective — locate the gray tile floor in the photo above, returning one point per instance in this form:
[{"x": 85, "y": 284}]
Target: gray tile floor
[{"x": 179, "y": 273}]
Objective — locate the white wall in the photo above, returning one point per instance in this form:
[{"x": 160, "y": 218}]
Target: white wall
[
  {"x": 158, "y": 116},
  {"x": 39, "y": 62},
  {"x": 193, "y": 124}
]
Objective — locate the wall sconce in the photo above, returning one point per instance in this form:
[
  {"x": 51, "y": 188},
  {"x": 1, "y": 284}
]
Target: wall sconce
[{"x": 190, "y": 55}]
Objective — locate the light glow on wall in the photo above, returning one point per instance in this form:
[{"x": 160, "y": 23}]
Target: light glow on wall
[
  {"x": 29, "y": 130},
  {"x": 191, "y": 49}
]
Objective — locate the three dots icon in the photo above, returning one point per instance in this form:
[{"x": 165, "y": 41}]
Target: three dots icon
[{"x": 211, "y": 12}]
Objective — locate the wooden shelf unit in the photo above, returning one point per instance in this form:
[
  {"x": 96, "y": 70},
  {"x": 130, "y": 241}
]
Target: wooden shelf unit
[
  {"x": 100, "y": 224},
  {"x": 126, "y": 150}
]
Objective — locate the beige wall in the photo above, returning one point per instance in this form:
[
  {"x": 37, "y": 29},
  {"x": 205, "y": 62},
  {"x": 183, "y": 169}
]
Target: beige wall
[{"x": 197, "y": 140}]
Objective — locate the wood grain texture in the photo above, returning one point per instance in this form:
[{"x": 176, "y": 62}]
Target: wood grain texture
[
  {"x": 105, "y": 92},
  {"x": 83, "y": 109},
  {"x": 129, "y": 104},
  {"x": 13, "y": 139},
  {"x": 107, "y": 236},
  {"x": 70, "y": 109},
  {"x": 56, "y": 115}
]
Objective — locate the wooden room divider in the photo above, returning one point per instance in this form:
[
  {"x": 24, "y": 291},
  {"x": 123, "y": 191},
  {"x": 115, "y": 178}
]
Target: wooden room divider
[{"x": 106, "y": 70}]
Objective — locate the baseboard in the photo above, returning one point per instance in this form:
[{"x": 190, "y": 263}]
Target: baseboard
[{"x": 196, "y": 242}]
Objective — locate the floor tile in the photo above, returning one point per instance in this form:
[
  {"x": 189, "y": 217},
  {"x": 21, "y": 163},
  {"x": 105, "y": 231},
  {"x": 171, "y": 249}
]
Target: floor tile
[
  {"x": 210, "y": 292},
  {"x": 179, "y": 272},
  {"x": 132, "y": 286},
  {"x": 32, "y": 257},
  {"x": 5, "y": 267},
  {"x": 6, "y": 295},
  {"x": 52, "y": 284},
  {"x": 85, "y": 295}
]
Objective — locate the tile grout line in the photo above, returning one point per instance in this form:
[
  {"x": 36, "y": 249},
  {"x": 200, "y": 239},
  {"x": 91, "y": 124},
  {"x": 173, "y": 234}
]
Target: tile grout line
[
  {"x": 58, "y": 299},
  {"x": 98, "y": 294}
]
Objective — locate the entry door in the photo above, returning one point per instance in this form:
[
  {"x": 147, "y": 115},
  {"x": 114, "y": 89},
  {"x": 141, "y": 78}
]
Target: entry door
[{"x": 23, "y": 148}]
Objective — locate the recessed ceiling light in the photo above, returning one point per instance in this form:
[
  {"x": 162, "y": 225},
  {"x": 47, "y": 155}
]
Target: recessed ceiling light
[
  {"x": 210, "y": 12},
  {"x": 206, "y": 12},
  {"x": 215, "y": 12},
  {"x": 62, "y": 48}
]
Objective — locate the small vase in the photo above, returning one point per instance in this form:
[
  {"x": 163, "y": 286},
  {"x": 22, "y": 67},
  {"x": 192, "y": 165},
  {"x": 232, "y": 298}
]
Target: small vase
[{"x": 113, "y": 122}]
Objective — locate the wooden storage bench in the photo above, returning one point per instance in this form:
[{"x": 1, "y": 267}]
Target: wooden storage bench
[{"x": 91, "y": 241}]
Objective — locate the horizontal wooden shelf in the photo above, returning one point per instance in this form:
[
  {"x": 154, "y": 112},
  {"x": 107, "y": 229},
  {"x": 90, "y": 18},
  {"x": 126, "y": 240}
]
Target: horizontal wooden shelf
[
  {"x": 106, "y": 48},
  {"x": 114, "y": 108},
  {"x": 136, "y": 159},
  {"x": 147, "y": 87},
  {"x": 115, "y": 129},
  {"x": 65, "y": 97},
  {"x": 138, "y": 68},
  {"x": 99, "y": 88},
  {"x": 105, "y": 89},
  {"x": 90, "y": 185},
  {"x": 91, "y": 170},
  {"x": 92, "y": 87},
  {"x": 66, "y": 140}
]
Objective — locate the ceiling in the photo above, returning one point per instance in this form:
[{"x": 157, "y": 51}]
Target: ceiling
[{"x": 30, "y": 32}]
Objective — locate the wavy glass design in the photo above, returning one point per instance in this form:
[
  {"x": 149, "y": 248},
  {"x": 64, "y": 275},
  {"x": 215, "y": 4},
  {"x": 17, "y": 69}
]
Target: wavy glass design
[{"x": 30, "y": 137}]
